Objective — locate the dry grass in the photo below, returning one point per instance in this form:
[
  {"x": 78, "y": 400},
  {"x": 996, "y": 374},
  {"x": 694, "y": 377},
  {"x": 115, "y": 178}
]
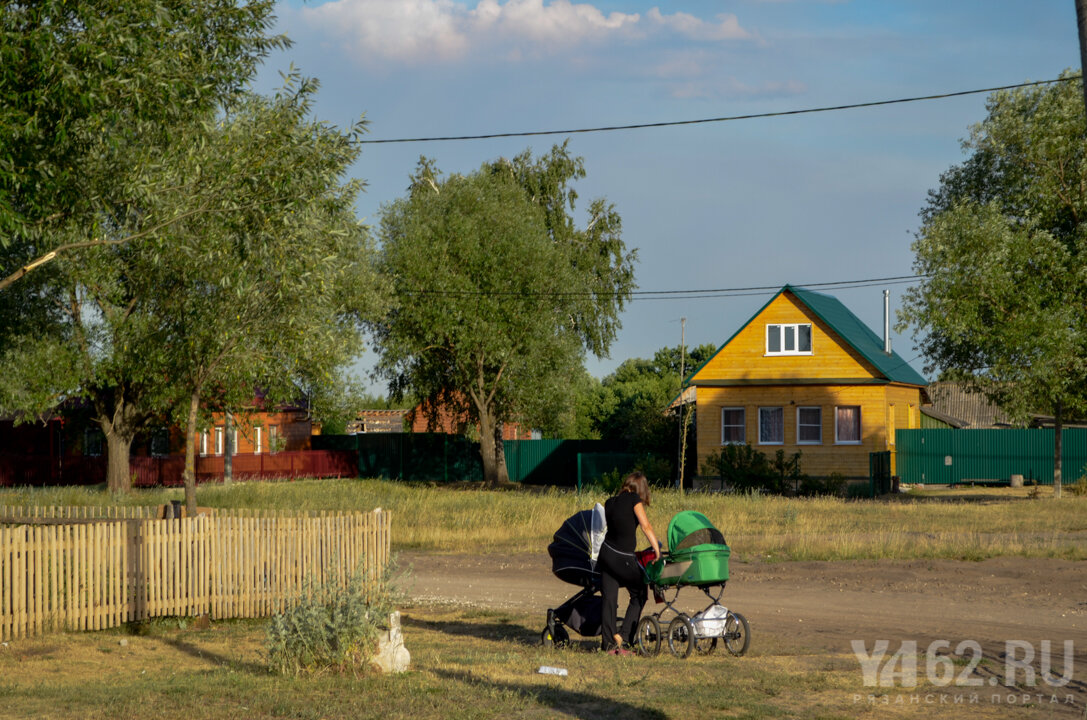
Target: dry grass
[
  {"x": 963, "y": 524},
  {"x": 465, "y": 665}
]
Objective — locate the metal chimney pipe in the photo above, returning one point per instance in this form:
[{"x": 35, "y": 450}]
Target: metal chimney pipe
[{"x": 887, "y": 321}]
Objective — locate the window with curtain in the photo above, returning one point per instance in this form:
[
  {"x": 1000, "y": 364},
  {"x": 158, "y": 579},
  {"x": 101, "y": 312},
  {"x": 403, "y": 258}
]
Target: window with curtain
[
  {"x": 771, "y": 426},
  {"x": 733, "y": 431},
  {"x": 847, "y": 425},
  {"x": 809, "y": 425}
]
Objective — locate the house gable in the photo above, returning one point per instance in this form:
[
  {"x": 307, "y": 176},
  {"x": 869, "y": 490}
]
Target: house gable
[{"x": 743, "y": 359}]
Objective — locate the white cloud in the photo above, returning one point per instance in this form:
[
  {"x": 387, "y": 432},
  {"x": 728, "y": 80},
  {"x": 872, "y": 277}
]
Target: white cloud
[
  {"x": 444, "y": 30},
  {"x": 727, "y": 26}
]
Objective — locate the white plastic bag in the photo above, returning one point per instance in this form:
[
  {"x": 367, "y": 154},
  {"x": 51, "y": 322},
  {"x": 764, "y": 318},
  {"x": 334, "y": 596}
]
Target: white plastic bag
[{"x": 711, "y": 621}]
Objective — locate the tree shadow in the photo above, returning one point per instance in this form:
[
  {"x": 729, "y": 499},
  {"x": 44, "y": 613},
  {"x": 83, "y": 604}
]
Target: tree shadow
[
  {"x": 503, "y": 632},
  {"x": 571, "y": 703},
  {"x": 203, "y": 654}
]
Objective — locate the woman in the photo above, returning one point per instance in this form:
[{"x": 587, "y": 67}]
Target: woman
[{"x": 618, "y": 567}]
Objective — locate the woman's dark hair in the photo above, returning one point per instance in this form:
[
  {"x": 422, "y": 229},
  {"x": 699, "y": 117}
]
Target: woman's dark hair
[{"x": 637, "y": 484}]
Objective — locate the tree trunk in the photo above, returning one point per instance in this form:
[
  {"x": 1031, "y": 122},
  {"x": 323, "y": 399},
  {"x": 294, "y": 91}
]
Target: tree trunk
[
  {"x": 189, "y": 475},
  {"x": 118, "y": 450},
  {"x": 500, "y": 456},
  {"x": 228, "y": 449},
  {"x": 487, "y": 450},
  {"x": 1058, "y": 423}
]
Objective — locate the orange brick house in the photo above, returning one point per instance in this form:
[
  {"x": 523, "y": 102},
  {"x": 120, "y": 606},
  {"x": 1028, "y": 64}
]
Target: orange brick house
[{"x": 805, "y": 375}]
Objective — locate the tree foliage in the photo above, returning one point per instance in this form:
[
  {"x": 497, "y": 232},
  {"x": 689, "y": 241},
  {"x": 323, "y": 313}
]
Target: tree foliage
[
  {"x": 1002, "y": 304},
  {"x": 498, "y": 293}
]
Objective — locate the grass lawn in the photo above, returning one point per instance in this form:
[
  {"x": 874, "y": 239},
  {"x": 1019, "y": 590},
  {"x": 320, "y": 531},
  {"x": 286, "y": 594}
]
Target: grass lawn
[
  {"x": 465, "y": 664},
  {"x": 961, "y": 523}
]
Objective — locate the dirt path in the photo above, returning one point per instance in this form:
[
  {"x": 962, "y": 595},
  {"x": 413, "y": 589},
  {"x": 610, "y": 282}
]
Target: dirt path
[{"x": 812, "y": 607}]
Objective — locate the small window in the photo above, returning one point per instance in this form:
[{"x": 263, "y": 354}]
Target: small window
[
  {"x": 733, "y": 430},
  {"x": 788, "y": 339},
  {"x": 92, "y": 442},
  {"x": 771, "y": 426},
  {"x": 809, "y": 425},
  {"x": 204, "y": 443},
  {"x": 256, "y": 440},
  {"x": 274, "y": 440},
  {"x": 847, "y": 425},
  {"x": 219, "y": 441},
  {"x": 160, "y": 443}
]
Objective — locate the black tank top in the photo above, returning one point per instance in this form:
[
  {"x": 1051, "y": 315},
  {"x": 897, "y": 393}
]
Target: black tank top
[{"x": 622, "y": 522}]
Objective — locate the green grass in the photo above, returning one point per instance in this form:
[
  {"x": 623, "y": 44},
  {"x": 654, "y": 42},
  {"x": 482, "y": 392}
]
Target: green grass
[
  {"x": 466, "y": 665},
  {"x": 961, "y": 524}
]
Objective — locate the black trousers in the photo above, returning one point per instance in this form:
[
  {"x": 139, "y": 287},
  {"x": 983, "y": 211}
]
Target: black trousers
[{"x": 618, "y": 569}]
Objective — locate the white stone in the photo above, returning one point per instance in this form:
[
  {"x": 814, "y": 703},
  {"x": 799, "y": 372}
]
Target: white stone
[{"x": 392, "y": 656}]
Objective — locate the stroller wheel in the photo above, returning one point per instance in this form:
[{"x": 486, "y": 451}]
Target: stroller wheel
[
  {"x": 737, "y": 634},
  {"x": 681, "y": 637},
  {"x": 558, "y": 638},
  {"x": 648, "y": 639}
]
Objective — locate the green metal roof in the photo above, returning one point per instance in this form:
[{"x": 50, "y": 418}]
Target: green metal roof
[{"x": 850, "y": 329}]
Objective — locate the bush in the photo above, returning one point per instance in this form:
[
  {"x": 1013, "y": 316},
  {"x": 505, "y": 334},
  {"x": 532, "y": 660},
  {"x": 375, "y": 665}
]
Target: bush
[
  {"x": 741, "y": 467},
  {"x": 833, "y": 484},
  {"x": 329, "y": 627},
  {"x": 1079, "y": 487}
]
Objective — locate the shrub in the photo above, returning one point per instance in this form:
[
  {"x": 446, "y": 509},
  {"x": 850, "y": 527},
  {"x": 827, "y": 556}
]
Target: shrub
[
  {"x": 741, "y": 467},
  {"x": 833, "y": 484},
  {"x": 1079, "y": 487},
  {"x": 329, "y": 627}
]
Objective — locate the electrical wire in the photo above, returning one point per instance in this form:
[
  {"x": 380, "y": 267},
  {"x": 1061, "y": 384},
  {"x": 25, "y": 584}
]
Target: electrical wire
[
  {"x": 682, "y": 294},
  {"x": 728, "y": 118}
]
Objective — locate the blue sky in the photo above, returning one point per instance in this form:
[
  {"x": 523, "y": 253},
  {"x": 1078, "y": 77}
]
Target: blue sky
[{"x": 804, "y": 199}]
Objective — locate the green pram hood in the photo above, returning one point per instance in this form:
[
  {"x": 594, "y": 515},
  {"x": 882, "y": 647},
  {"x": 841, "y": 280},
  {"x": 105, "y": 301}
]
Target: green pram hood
[{"x": 689, "y": 529}]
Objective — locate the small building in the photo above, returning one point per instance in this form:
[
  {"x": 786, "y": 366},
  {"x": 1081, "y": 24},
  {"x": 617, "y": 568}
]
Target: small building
[{"x": 805, "y": 375}]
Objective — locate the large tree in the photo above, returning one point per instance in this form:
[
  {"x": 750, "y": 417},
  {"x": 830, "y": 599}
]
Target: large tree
[
  {"x": 268, "y": 296},
  {"x": 1002, "y": 303},
  {"x": 498, "y": 293}
]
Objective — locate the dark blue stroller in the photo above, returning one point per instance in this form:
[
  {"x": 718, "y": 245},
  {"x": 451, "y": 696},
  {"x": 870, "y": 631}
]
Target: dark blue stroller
[{"x": 573, "y": 552}]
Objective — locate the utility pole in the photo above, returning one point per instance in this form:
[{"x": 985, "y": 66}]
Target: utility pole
[
  {"x": 1081, "y": 21},
  {"x": 682, "y": 406}
]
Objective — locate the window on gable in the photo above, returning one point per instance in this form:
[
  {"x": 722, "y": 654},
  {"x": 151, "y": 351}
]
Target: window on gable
[
  {"x": 792, "y": 339},
  {"x": 733, "y": 431},
  {"x": 771, "y": 425}
]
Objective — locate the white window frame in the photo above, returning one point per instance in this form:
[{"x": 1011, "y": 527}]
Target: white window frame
[
  {"x": 818, "y": 426},
  {"x": 204, "y": 443},
  {"x": 781, "y": 410},
  {"x": 742, "y": 426},
  {"x": 860, "y": 426},
  {"x": 782, "y": 336},
  {"x": 256, "y": 440},
  {"x": 219, "y": 437}
]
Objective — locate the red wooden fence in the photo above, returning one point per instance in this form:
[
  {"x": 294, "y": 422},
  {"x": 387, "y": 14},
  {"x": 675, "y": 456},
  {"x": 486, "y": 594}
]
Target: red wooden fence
[{"x": 166, "y": 471}]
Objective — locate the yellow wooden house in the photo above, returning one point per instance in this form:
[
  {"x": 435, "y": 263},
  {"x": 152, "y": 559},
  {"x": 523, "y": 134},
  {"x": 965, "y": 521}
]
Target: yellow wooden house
[{"x": 806, "y": 375}]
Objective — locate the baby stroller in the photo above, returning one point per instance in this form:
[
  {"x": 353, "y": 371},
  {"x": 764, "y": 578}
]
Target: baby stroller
[
  {"x": 573, "y": 552},
  {"x": 698, "y": 556}
]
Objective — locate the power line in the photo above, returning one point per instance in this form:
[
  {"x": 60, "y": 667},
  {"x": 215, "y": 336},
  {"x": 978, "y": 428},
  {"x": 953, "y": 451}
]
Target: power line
[
  {"x": 728, "y": 118},
  {"x": 694, "y": 294}
]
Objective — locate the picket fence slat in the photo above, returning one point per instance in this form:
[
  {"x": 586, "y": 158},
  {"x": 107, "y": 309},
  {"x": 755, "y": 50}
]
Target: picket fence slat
[{"x": 129, "y": 565}]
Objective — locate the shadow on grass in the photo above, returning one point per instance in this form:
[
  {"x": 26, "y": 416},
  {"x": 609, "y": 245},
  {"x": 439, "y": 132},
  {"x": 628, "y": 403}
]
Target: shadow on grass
[
  {"x": 203, "y": 654},
  {"x": 504, "y": 632},
  {"x": 572, "y": 703}
]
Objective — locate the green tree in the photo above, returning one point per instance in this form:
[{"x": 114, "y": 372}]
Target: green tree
[
  {"x": 498, "y": 293},
  {"x": 1002, "y": 304},
  {"x": 271, "y": 295},
  {"x": 80, "y": 81}
]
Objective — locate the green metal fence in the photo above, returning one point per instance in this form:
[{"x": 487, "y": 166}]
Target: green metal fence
[
  {"x": 437, "y": 457},
  {"x": 945, "y": 457}
]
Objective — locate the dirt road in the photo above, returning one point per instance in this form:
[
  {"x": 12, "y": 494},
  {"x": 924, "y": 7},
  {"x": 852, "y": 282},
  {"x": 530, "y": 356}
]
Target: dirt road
[{"x": 812, "y": 607}]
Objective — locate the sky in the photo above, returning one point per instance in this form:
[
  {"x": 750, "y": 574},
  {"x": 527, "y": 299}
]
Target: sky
[{"x": 804, "y": 199}]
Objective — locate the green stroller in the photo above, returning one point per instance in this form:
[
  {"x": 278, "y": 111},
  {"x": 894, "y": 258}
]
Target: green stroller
[{"x": 697, "y": 556}]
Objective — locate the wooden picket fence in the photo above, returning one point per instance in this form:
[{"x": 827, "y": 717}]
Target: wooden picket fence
[{"x": 94, "y": 573}]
